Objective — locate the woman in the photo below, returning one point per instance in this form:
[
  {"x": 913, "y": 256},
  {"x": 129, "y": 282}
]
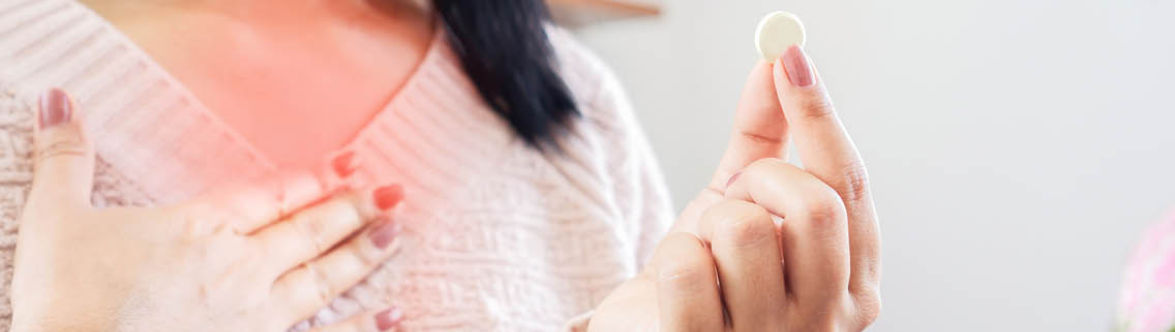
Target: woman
[{"x": 528, "y": 192}]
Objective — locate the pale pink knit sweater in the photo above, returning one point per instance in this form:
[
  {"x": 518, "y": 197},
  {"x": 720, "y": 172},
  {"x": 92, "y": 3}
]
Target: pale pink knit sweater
[{"x": 500, "y": 237}]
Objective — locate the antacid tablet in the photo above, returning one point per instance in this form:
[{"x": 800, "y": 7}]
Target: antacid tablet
[{"x": 777, "y": 32}]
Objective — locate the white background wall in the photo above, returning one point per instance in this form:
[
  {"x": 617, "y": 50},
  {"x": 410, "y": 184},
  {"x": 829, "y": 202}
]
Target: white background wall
[{"x": 1017, "y": 147}]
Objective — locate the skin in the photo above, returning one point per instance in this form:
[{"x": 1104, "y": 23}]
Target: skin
[
  {"x": 269, "y": 68},
  {"x": 728, "y": 266},
  {"x": 234, "y": 260}
]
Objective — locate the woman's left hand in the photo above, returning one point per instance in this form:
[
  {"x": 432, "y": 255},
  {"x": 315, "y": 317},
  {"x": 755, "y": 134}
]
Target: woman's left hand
[
  {"x": 727, "y": 265},
  {"x": 250, "y": 257}
]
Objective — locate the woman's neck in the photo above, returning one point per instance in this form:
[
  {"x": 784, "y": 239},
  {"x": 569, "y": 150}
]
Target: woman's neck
[{"x": 271, "y": 69}]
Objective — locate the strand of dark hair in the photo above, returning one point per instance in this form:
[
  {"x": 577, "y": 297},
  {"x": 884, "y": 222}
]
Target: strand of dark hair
[{"x": 504, "y": 49}]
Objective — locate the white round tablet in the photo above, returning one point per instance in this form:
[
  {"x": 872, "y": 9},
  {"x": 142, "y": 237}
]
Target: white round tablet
[{"x": 777, "y": 32}]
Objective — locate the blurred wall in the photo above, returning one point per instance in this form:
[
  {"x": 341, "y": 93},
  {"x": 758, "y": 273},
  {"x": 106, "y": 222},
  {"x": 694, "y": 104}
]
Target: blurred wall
[{"x": 1017, "y": 147}]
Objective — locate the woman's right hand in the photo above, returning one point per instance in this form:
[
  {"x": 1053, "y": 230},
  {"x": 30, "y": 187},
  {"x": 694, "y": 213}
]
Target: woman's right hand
[
  {"x": 229, "y": 261},
  {"x": 728, "y": 266}
]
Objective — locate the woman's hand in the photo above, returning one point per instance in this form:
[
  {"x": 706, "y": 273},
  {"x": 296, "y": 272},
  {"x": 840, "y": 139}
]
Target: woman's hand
[
  {"x": 230, "y": 261},
  {"x": 727, "y": 265}
]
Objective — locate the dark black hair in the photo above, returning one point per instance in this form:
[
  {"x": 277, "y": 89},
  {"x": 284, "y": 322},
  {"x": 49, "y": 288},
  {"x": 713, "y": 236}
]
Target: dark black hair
[{"x": 505, "y": 51}]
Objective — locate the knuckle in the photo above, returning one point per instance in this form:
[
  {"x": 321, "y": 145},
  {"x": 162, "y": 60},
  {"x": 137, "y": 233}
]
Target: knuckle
[
  {"x": 759, "y": 138},
  {"x": 686, "y": 265},
  {"x": 58, "y": 143},
  {"x": 686, "y": 277},
  {"x": 816, "y": 107},
  {"x": 855, "y": 183},
  {"x": 321, "y": 289},
  {"x": 365, "y": 256},
  {"x": 311, "y": 224},
  {"x": 823, "y": 208},
  {"x": 868, "y": 306},
  {"x": 326, "y": 290},
  {"x": 346, "y": 212},
  {"x": 335, "y": 213},
  {"x": 743, "y": 224},
  {"x": 193, "y": 221},
  {"x": 766, "y": 165}
]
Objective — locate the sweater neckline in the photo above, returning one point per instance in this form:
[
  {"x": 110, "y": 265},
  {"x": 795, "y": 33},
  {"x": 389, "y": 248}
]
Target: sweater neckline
[
  {"x": 197, "y": 105},
  {"x": 149, "y": 126},
  {"x": 435, "y": 135}
]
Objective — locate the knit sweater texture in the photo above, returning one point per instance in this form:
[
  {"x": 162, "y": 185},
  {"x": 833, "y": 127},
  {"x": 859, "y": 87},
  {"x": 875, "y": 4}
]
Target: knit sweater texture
[{"x": 499, "y": 236}]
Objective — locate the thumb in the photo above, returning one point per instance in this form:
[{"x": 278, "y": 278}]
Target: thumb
[{"x": 64, "y": 157}]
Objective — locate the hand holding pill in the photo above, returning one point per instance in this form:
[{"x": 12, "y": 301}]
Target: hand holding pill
[{"x": 720, "y": 267}]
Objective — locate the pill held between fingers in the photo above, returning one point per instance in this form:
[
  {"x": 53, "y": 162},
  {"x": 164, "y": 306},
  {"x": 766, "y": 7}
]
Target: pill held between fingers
[{"x": 776, "y": 33}]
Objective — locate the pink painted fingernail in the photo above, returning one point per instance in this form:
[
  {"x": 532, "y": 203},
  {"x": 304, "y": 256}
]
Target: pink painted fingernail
[
  {"x": 387, "y": 197},
  {"x": 388, "y": 319},
  {"x": 795, "y": 62},
  {"x": 345, "y": 164},
  {"x": 384, "y": 233},
  {"x": 55, "y": 108},
  {"x": 732, "y": 178}
]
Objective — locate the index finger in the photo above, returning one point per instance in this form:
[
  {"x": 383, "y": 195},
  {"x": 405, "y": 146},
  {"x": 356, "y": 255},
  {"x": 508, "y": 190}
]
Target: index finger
[
  {"x": 760, "y": 130},
  {"x": 828, "y": 153},
  {"x": 254, "y": 205}
]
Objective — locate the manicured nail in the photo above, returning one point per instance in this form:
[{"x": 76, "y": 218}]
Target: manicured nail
[
  {"x": 387, "y": 197},
  {"x": 55, "y": 108},
  {"x": 388, "y": 319},
  {"x": 732, "y": 178},
  {"x": 383, "y": 234},
  {"x": 795, "y": 62},
  {"x": 345, "y": 164}
]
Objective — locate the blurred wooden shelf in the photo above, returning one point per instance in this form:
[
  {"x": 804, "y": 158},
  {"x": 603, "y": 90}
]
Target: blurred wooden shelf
[{"x": 577, "y": 13}]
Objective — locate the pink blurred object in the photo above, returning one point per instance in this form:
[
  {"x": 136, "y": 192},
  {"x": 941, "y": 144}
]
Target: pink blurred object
[{"x": 1147, "y": 302}]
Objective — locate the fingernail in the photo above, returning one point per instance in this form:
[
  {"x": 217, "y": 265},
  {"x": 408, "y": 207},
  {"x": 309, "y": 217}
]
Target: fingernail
[
  {"x": 795, "y": 62},
  {"x": 732, "y": 178},
  {"x": 55, "y": 108},
  {"x": 345, "y": 164},
  {"x": 383, "y": 234},
  {"x": 388, "y": 319},
  {"x": 387, "y": 197}
]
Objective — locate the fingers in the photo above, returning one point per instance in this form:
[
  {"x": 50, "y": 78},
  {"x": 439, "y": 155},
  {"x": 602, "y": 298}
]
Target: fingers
[
  {"x": 760, "y": 129},
  {"x": 252, "y": 206},
  {"x": 64, "y": 156},
  {"x": 692, "y": 213},
  {"x": 815, "y": 243},
  {"x": 743, "y": 240},
  {"x": 316, "y": 229},
  {"x": 687, "y": 289},
  {"x": 307, "y": 289},
  {"x": 828, "y": 153},
  {"x": 372, "y": 321}
]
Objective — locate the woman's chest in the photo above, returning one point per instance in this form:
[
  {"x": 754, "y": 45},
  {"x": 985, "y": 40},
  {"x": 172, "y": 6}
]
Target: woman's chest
[{"x": 294, "y": 93}]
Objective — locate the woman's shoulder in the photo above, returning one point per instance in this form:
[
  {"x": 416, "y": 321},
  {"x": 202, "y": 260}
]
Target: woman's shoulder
[
  {"x": 596, "y": 88},
  {"x": 580, "y": 67}
]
